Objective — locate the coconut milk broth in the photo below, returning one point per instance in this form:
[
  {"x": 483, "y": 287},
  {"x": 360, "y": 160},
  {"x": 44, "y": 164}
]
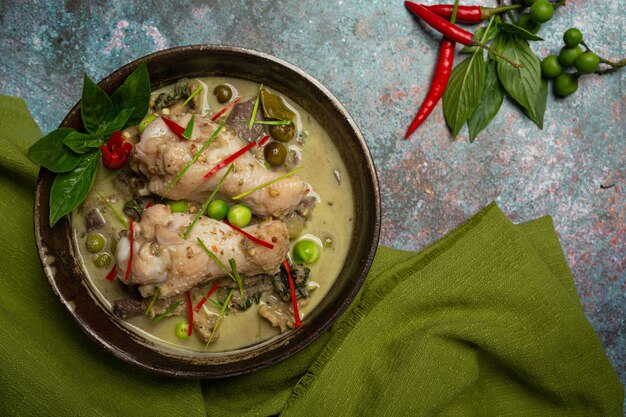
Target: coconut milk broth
[{"x": 332, "y": 219}]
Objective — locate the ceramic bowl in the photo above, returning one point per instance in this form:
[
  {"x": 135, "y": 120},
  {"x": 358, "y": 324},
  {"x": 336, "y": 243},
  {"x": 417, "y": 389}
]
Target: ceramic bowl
[{"x": 57, "y": 247}]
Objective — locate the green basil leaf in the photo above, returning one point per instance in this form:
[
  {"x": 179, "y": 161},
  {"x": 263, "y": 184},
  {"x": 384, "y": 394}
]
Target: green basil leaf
[
  {"x": 82, "y": 142},
  {"x": 522, "y": 84},
  {"x": 135, "y": 94},
  {"x": 489, "y": 104},
  {"x": 52, "y": 154},
  {"x": 96, "y": 107},
  {"x": 116, "y": 124},
  {"x": 70, "y": 188},
  {"x": 540, "y": 105},
  {"x": 464, "y": 90},
  {"x": 519, "y": 31}
]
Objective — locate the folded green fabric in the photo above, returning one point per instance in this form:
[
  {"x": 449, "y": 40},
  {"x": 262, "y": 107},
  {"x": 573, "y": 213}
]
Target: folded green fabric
[{"x": 484, "y": 322}]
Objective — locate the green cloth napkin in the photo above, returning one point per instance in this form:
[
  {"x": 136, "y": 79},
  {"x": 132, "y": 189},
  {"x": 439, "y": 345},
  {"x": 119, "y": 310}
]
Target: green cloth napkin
[{"x": 484, "y": 322}]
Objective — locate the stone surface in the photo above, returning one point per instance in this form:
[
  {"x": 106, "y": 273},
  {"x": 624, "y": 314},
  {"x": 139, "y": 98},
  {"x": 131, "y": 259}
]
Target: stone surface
[{"x": 378, "y": 60}]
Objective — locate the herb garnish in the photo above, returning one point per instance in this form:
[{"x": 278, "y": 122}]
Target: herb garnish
[
  {"x": 154, "y": 297},
  {"x": 189, "y": 128},
  {"x": 195, "y": 92},
  {"x": 258, "y": 187},
  {"x": 74, "y": 155},
  {"x": 233, "y": 267},
  {"x": 168, "y": 311},
  {"x": 255, "y": 108},
  {"x": 219, "y": 318}
]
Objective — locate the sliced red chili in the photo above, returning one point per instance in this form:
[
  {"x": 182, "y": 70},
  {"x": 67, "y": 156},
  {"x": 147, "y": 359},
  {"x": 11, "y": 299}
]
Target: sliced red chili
[
  {"x": 292, "y": 289},
  {"x": 230, "y": 159},
  {"x": 469, "y": 14},
  {"x": 176, "y": 129},
  {"x": 206, "y": 297},
  {"x": 251, "y": 237},
  {"x": 228, "y": 106},
  {"x": 190, "y": 311},
  {"x": 263, "y": 141},
  {"x": 131, "y": 238},
  {"x": 111, "y": 275}
]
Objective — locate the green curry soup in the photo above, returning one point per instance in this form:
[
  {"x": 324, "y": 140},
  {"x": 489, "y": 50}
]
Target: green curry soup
[{"x": 323, "y": 218}]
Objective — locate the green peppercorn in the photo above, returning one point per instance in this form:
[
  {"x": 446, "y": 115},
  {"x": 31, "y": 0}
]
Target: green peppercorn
[
  {"x": 223, "y": 93},
  {"x": 283, "y": 133},
  {"x": 103, "y": 260},
  {"x": 95, "y": 242},
  {"x": 275, "y": 154}
]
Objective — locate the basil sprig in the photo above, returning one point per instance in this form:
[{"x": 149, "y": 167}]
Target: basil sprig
[
  {"x": 74, "y": 155},
  {"x": 477, "y": 86}
]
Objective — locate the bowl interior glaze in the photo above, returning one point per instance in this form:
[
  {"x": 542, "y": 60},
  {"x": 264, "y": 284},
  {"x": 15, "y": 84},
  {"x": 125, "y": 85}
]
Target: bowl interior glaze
[{"x": 57, "y": 248}]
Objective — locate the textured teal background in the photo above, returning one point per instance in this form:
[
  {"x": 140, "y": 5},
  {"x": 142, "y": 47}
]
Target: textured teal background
[{"x": 379, "y": 61}]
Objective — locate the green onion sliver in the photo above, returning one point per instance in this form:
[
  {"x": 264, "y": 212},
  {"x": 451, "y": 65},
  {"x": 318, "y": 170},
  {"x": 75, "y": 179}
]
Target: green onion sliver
[
  {"x": 195, "y": 92},
  {"x": 215, "y": 303},
  {"x": 233, "y": 267},
  {"x": 206, "y": 203},
  {"x": 189, "y": 128},
  {"x": 255, "y": 108},
  {"x": 217, "y": 261},
  {"x": 154, "y": 297},
  {"x": 258, "y": 187},
  {"x": 219, "y": 318},
  {"x": 117, "y": 214},
  {"x": 168, "y": 311},
  {"x": 273, "y": 122},
  {"x": 193, "y": 160}
]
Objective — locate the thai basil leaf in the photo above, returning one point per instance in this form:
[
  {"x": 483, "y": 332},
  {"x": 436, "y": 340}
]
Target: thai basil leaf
[
  {"x": 135, "y": 94},
  {"x": 52, "y": 154},
  {"x": 522, "y": 84},
  {"x": 82, "y": 142},
  {"x": 96, "y": 108},
  {"x": 464, "y": 90},
  {"x": 518, "y": 31},
  {"x": 489, "y": 103},
  {"x": 540, "y": 105},
  {"x": 118, "y": 123},
  {"x": 70, "y": 188}
]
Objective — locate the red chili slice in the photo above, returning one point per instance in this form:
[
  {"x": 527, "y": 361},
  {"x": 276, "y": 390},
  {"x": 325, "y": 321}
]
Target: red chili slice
[
  {"x": 251, "y": 237},
  {"x": 292, "y": 289},
  {"x": 230, "y": 159}
]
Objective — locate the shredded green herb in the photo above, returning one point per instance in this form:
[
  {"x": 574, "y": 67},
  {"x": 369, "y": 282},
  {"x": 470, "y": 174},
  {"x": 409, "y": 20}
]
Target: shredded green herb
[
  {"x": 233, "y": 267},
  {"x": 154, "y": 297},
  {"x": 193, "y": 160},
  {"x": 195, "y": 92},
  {"x": 215, "y": 303},
  {"x": 270, "y": 122},
  {"x": 258, "y": 187},
  {"x": 206, "y": 203},
  {"x": 168, "y": 311},
  {"x": 189, "y": 128},
  {"x": 219, "y": 318},
  {"x": 255, "y": 108},
  {"x": 217, "y": 261},
  {"x": 117, "y": 214}
]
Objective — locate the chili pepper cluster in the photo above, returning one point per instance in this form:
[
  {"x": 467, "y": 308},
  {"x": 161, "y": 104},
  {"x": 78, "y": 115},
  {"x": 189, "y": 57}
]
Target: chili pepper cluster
[
  {"x": 115, "y": 151},
  {"x": 473, "y": 91}
]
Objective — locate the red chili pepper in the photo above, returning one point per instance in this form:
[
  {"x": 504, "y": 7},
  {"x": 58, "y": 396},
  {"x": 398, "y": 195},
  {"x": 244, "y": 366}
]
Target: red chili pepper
[
  {"x": 190, "y": 311},
  {"x": 230, "y": 159},
  {"x": 176, "y": 129},
  {"x": 264, "y": 140},
  {"x": 251, "y": 237},
  {"x": 447, "y": 29},
  {"x": 438, "y": 86},
  {"x": 468, "y": 14},
  {"x": 228, "y": 106},
  {"x": 206, "y": 297},
  {"x": 292, "y": 289},
  {"x": 115, "y": 151},
  {"x": 111, "y": 275},
  {"x": 131, "y": 238}
]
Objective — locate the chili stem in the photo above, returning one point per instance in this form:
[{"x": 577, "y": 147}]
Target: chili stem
[
  {"x": 219, "y": 318},
  {"x": 496, "y": 53},
  {"x": 617, "y": 64}
]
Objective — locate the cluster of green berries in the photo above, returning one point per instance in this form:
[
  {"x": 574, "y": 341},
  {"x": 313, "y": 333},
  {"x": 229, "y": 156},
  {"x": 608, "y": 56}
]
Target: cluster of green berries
[
  {"x": 571, "y": 55},
  {"x": 540, "y": 12}
]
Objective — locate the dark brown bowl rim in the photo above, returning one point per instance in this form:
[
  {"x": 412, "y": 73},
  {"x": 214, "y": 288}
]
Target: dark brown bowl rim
[{"x": 77, "y": 299}]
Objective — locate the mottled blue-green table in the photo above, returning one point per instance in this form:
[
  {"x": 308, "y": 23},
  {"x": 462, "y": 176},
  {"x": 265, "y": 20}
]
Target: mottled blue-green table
[{"x": 379, "y": 61}]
